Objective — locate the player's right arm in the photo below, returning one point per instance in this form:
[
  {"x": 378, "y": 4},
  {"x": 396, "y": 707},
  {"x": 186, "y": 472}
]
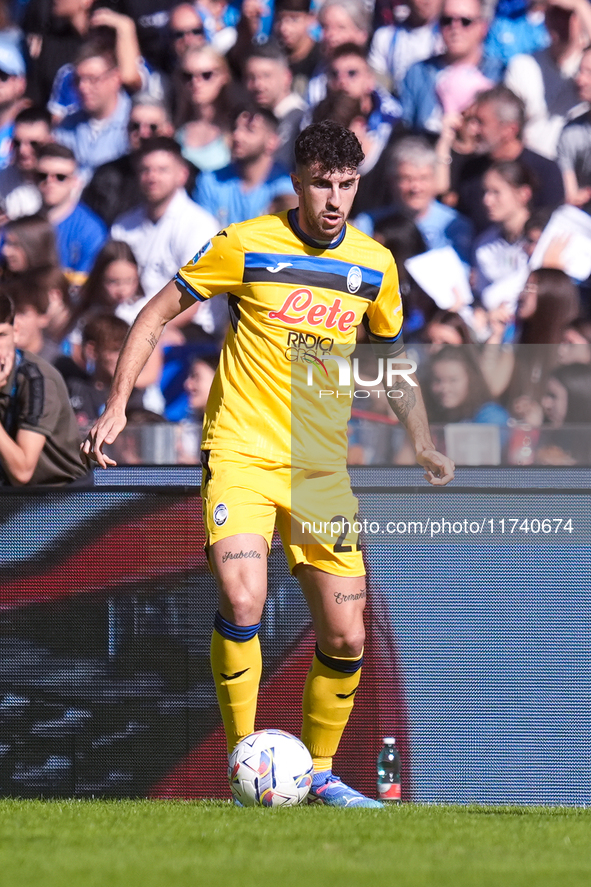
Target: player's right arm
[{"x": 139, "y": 345}]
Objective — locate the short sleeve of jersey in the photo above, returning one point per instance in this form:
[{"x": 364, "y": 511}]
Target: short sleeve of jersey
[
  {"x": 218, "y": 267},
  {"x": 383, "y": 318}
]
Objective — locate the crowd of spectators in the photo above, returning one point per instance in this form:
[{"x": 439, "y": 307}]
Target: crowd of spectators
[{"x": 132, "y": 131}]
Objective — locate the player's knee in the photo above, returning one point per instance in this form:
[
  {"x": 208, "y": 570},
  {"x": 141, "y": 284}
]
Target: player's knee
[
  {"x": 242, "y": 607},
  {"x": 346, "y": 644}
]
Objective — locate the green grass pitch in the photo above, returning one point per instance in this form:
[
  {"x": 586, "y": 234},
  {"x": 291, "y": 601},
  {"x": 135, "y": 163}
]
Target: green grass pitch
[{"x": 165, "y": 844}]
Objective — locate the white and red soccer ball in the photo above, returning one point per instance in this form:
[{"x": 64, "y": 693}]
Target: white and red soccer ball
[{"x": 270, "y": 768}]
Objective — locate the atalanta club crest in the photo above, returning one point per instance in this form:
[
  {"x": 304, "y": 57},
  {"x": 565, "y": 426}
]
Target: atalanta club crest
[
  {"x": 220, "y": 514},
  {"x": 354, "y": 279}
]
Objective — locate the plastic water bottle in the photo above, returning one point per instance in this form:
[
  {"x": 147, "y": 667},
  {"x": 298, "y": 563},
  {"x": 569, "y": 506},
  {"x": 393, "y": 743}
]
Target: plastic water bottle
[{"x": 389, "y": 772}]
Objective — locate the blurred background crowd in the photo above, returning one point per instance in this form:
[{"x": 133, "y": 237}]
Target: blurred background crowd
[{"x": 131, "y": 131}]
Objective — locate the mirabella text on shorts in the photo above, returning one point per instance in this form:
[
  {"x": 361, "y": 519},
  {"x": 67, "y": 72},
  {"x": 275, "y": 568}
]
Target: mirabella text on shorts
[{"x": 393, "y": 368}]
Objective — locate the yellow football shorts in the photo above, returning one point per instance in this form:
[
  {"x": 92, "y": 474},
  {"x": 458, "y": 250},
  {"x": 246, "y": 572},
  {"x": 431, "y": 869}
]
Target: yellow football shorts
[{"x": 315, "y": 511}]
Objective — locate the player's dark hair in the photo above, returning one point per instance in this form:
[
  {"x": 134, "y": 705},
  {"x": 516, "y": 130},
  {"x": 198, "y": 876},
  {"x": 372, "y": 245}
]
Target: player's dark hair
[
  {"x": 330, "y": 145},
  {"x": 34, "y": 114},
  {"x": 6, "y": 309}
]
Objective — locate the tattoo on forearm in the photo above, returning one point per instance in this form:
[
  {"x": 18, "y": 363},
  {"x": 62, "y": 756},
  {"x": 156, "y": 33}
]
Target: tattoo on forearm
[
  {"x": 341, "y": 598},
  {"x": 403, "y": 406},
  {"x": 238, "y": 555},
  {"x": 152, "y": 341}
]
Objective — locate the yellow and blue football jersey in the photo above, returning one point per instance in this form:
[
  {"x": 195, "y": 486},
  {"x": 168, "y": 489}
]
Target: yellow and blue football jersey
[{"x": 294, "y": 304}]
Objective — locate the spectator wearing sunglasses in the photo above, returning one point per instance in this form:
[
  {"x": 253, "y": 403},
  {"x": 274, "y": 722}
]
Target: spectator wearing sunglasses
[
  {"x": 12, "y": 88},
  {"x": 113, "y": 187},
  {"x": 185, "y": 30},
  {"x": 97, "y": 132},
  {"x": 19, "y": 195},
  {"x": 79, "y": 232},
  {"x": 463, "y": 28}
]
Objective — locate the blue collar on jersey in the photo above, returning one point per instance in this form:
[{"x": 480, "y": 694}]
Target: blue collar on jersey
[{"x": 292, "y": 218}]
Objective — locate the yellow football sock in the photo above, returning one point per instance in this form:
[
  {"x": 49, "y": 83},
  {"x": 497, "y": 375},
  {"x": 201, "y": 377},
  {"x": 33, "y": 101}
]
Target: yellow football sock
[
  {"x": 322, "y": 764},
  {"x": 236, "y": 667},
  {"x": 329, "y": 694}
]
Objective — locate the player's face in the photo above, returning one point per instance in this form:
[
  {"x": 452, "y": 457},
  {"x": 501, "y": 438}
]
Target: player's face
[
  {"x": 6, "y": 352},
  {"x": 325, "y": 200}
]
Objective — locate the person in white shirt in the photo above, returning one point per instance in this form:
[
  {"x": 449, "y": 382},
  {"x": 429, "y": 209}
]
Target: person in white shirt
[{"x": 167, "y": 228}]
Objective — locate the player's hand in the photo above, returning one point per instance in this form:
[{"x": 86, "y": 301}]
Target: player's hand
[
  {"x": 104, "y": 431},
  {"x": 439, "y": 470}
]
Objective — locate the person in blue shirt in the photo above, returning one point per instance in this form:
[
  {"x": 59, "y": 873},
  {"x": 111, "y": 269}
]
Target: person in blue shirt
[
  {"x": 79, "y": 232},
  {"x": 247, "y": 187}
]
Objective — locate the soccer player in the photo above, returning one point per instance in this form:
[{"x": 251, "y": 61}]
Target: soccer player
[{"x": 274, "y": 449}]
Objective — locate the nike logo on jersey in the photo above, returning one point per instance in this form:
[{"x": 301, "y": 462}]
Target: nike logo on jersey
[
  {"x": 279, "y": 267},
  {"x": 232, "y": 677},
  {"x": 346, "y": 695}
]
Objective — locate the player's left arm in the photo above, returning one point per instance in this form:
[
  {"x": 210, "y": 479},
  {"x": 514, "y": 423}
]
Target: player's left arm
[{"x": 383, "y": 323}]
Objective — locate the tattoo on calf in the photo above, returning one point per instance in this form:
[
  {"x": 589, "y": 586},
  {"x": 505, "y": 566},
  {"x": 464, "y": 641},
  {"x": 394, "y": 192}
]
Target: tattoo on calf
[{"x": 238, "y": 555}]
